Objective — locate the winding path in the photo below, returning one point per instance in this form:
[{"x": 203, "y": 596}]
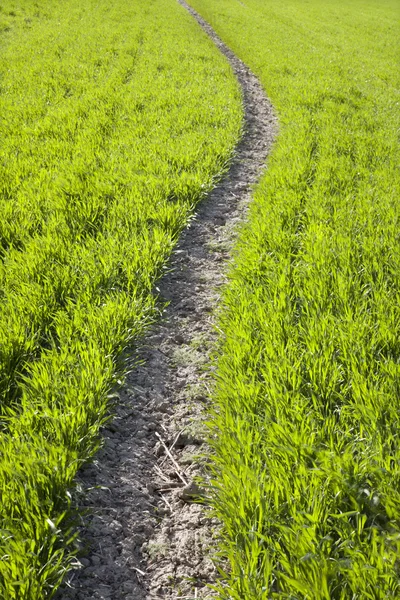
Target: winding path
[{"x": 146, "y": 537}]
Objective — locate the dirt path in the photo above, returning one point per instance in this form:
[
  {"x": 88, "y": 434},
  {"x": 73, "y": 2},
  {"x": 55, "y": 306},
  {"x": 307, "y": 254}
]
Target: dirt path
[{"x": 146, "y": 537}]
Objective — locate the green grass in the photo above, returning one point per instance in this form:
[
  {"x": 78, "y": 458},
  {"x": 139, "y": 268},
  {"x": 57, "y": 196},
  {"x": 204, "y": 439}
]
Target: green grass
[
  {"x": 306, "y": 423},
  {"x": 115, "y": 120}
]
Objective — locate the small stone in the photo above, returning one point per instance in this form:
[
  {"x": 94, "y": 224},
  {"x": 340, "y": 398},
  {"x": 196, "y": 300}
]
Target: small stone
[
  {"x": 85, "y": 562},
  {"x": 187, "y": 439},
  {"x": 150, "y": 487},
  {"x": 163, "y": 407},
  {"x": 180, "y": 383},
  {"x": 158, "y": 451},
  {"x": 189, "y": 492},
  {"x": 128, "y": 587}
]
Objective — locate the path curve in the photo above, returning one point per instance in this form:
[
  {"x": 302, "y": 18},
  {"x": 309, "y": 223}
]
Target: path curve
[{"x": 146, "y": 537}]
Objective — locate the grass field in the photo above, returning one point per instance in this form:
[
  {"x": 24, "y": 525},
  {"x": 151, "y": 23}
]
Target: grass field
[
  {"x": 107, "y": 144},
  {"x": 307, "y": 453}
]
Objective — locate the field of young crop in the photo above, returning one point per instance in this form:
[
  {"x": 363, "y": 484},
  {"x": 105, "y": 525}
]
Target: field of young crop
[
  {"x": 307, "y": 464},
  {"x": 115, "y": 119},
  {"x": 107, "y": 143}
]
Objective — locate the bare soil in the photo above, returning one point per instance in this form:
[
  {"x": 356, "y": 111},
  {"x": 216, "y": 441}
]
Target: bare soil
[{"x": 146, "y": 536}]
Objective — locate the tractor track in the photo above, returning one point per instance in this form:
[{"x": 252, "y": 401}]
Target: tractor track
[{"x": 146, "y": 538}]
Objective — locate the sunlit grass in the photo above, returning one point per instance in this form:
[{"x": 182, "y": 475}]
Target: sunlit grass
[
  {"x": 308, "y": 386},
  {"x": 115, "y": 120}
]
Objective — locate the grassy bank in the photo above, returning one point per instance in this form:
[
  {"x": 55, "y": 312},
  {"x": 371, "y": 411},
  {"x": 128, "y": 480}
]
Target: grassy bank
[
  {"x": 108, "y": 140},
  {"x": 307, "y": 465}
]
